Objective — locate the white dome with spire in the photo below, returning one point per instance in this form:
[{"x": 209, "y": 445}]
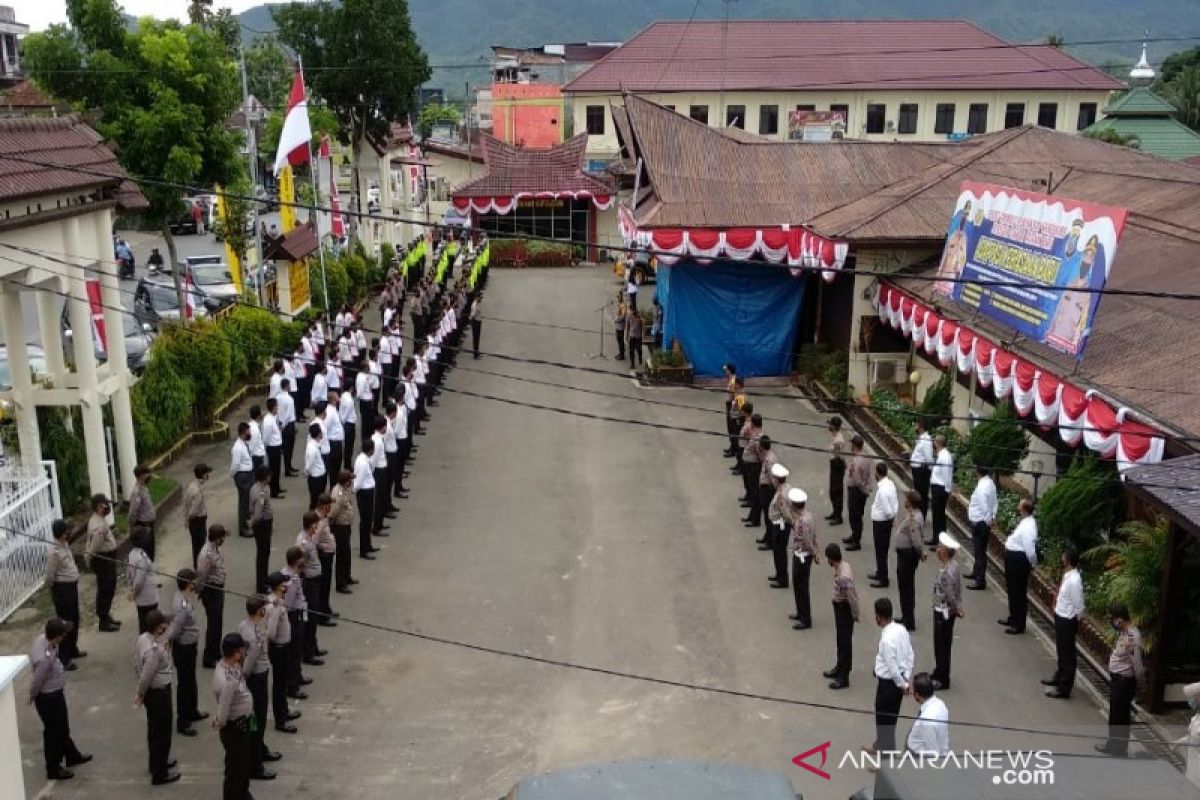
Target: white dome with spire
[{"x": 1142, "y": 71}]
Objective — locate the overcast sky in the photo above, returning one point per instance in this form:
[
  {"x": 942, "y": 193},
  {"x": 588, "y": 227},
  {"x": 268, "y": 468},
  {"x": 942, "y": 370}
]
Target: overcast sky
[{"x": 39, "y": 14}]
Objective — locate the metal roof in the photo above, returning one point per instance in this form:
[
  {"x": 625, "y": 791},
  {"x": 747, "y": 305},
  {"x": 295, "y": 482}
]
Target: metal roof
[{"x": 1166, "y": 482}]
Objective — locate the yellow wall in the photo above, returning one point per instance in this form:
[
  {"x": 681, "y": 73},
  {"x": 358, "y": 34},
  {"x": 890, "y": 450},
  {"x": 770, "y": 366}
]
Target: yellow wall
[{"x": 1068, "y": 109}]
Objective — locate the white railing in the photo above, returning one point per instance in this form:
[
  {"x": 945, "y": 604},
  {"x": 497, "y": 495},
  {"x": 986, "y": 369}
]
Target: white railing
[{"x": 28, "y": 505}]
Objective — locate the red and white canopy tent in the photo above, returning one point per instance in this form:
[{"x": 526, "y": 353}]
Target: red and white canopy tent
[
  {"x": 781, "y": 244},
  {"x": 1080, "y": 415}
]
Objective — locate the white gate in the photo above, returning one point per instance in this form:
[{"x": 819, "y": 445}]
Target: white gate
[{"x": 28, "y": 505}]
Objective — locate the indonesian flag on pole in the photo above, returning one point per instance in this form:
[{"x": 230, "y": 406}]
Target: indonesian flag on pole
[
  {"x": 189, "y": 298},
  {"x": 296, "y": 135}
]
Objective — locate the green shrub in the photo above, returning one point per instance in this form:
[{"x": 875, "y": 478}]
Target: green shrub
[
  {"x": 254, "y": 336},
  {"x": 162, "y": 404},
  {"x": 1006, "y": 510},
  {"x": 999, "y": 442},
  {"x": 937, "y": 407},
  {"x": 336, "y": 279},
  {"x": 61, "y": 430},
  {"x": 202, "y": 357},
  {"x": 896, "y": 414},
  {"x": 356, "y": 274},
  {"x": 668, "y": 358},
  {"x": 1081, "y": 508}
]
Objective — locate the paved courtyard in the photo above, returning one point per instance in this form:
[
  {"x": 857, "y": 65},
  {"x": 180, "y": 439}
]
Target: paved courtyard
[{"x": 604, "y": 544}]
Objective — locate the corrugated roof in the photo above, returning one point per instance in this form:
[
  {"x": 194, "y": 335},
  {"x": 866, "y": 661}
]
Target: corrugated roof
[
  {"x": 294, "y": 245},
  {"x": 512, "y": 170},
  {"x": 78, "y": 159},
  {"x": 1139, "y": 102},
  {"x": 821, "y": 55},
  {"x": 1170, "y": 482},
  {"x": 1165, "y": 137},
  {"x": 24, "y": 94}
]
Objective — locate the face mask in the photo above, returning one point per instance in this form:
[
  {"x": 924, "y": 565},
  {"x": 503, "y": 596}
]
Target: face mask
[{"x": 1116, "y": 626}]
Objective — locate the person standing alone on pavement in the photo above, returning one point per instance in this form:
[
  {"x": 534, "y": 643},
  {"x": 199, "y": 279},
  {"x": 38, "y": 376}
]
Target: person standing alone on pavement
[
  {"x": 893, "y": 670},
  {"x": 47, "y": 693},
  {"x": 1020, "y": 557},
  {"x": 845, "y": 614},
  {"x": 1068, "y": 607},
  {"x": 884, "y": 508},
  {"x": 62, "y": 576},
  {"x": 195, "y": 509},
  {"x": 1125, "y": 671},
  {"x": 981, "y": 513},
  {"x": 635, "y": 328}
]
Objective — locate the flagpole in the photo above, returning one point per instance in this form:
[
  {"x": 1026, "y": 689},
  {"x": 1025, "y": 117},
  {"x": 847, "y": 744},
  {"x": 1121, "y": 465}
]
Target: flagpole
[{"x": 312, "y": 174}]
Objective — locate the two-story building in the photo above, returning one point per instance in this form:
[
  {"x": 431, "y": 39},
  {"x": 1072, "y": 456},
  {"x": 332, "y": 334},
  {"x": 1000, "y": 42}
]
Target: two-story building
[{"x": 903, "y": 80}]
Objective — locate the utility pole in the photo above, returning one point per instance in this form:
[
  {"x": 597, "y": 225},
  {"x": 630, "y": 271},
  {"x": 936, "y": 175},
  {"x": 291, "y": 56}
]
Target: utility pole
[{"x": 252, "y": 146}]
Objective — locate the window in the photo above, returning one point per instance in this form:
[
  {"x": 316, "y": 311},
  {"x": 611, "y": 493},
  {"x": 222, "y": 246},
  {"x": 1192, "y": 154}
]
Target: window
[
  {"x": 768, "y": 120},
  {"x": 844, "y": 110},
  {"x": 977, "y": 118},
  {"x": 1014, "y": 115},
  {"x": 875, "y": 117},
  {"x": 1048, "y": 115},
  {"x": 943, "y": 119},
  {"x": 595, "y": 120},
  {"x": 908, "y": 118},
  {"x": 735, "y": 117},
  {"x": 806, "y": 107},
  {"x": 699, "y": 113},
  {"x": 1087, "y": 115}
]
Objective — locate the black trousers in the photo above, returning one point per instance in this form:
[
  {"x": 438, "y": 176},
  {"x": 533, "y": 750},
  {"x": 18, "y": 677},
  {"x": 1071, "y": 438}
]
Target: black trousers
[
  {"x": 295, "y": 651},
  {"x": 856, "y": 504},
  {"x": 620, "y": 344},
  {"x": 281, "y": 670},
  {"x": 186, "y": 694},
  {"x": 333, "y": 462},
  {"x": 837, "y": 479},
  {"x": 635, "y": 351},
  {"x": 943, "y": 640},
  {"x": 1122, "y": 690},
  {"x": 937, "y": 500},
  {"x": 258, "y": 684},
  {"x": 263, "y": 530},
  {"x": 275, "y": 462},
  {"x": 779, "y": 540},
  {"x": 1016, "y": 579},
  {"x": 366, "y": 518},
  {"x": 341, "y": 536},
  {"x": 106, "y": 585},
  {"x": 366, "y": 417},
  {"x": 57, "y": 744},
  {"x": 316, "y": 485},
  {"x": 382, "y": 497},
  {"x": 907, "y": 559},
  {"x": 302, "y": 394},
  {"x": 312, "y": 589},
  {"x": 888, "y": 697},
  {"x": 243, "y": 481},
  {"x": 881, "y": 534},
  {"x": 843, "y": 622},
  {"x": 750, "y": 472},
  {"x": 325, "y": 585},
  {"x": 764, "y": 493},
  {"x": 239, "y": 744},
  {"x": 395, "y": 468},
  {"x": 920, "y": 476},
  {"x": 1065, "y": 631},
  {"x": 348, "y": 461},
  {"x": 157, "y": 703},
  {"x": 731, "y": 427},
  {"x": 476, "y": 326},
  {"x": 289, "y": 445},
  {"x": 198, "y": 532},
  {"x": 979, "y": 542},
  {"x": 66, "y": 607},
  {"x": 213, "y": 598},
  {"x": 142, "y": 613},
  {"x": 800, "y": 575}
]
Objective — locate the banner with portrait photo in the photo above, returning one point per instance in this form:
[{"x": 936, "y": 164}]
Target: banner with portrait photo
[{"x": 1060, "y": 252}]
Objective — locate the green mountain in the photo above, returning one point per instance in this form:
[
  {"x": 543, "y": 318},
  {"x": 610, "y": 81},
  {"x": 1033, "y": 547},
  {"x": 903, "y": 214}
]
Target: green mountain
[{"x": 458, "y": 34}]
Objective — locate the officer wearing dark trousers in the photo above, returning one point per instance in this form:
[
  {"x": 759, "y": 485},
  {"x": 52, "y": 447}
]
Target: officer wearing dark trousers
[
  {"x": 941, "y": 483},
  {"x": 910, "y": 552},
  {"x": 393, "y": 456},
  {"x": 210, "y": 578},
  {"x": 981, "y": 513},
  {"x": 1068, "y": 606},
  {"x": 860, "y": 488},
  {"x": 326, "y": 546},
  {"x": 100, "y": 552},
  {"x": 893, "y": 671},
  {"x": 241, "y": 467},
  {"x": 287, "y": 425},
  {"x": 154, "y": 676},
  {"x": 256, "y": 670},
  {"x": 802, "y": 552},
  {"x": 341, "y": 518},
  {"x": 62, "y": 575},
  {"x": 278, "y": 631},
  {"x": 297, "y": 608},
  {"x": 1125, "y": 671},
  {"x": 234, "y": 718},
  {"x": 272, "y": 433},
  {"x": 262, "y": 524},
  {"x": 921, "y": 464},
  {"x": 476, "y": 325},
  {"x": 845, "y": 614},
  {"x": 947, "y": 607},
  {"x": 184, "y": 635},
  {"x": 1020, "y": 557},
  {"x": 47, "y": 693},
  {"x": 380, "y": 473},
  {"x": 348, "y": 411},
  {"x": 363, "y": 484},
  {"x": 195, "y": 509},
  {"x": 884, "y": 508},
  {"x": 837, "y": 470}
]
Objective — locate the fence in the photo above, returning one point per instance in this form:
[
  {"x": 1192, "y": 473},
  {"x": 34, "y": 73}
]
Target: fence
[{"x": 29, "y": 503}]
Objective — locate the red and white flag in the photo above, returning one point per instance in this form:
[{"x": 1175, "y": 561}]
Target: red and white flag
[
  {"x": 99, "y": 332},
  {"x": 189, "y": 297},
  {"x": 295, "y": 138}
]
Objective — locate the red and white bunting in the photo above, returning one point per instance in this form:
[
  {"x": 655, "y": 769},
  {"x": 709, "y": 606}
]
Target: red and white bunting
[
  {"x": 505, "y": 204},
  {"x": 1080, "y": 416}
]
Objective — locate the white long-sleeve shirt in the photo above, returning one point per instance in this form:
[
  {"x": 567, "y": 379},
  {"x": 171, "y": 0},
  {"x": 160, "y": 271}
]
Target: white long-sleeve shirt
[
  {"x": 347, "y": 409},
  {"x": 239, "y": 458},
  {"x": 334, "y": 432},
  {"x": 379, "y": 459},
  {"x": 286, "y": 412},
  {"x": 886, "y": 504},
  {"x": 364, "y": 386},
  {"x": 314, "y": 465},
  {"x": 257, "y": 448},
  {"x": 930, "y": 733},
  {"x": 320, "y": 389},
  {"x": 364, "y": 475},
  {"x": 943, "y": 470},
  {"x": 1069, "y": 603},
  {"x": 922, "y": 452},
  {"x": 1023, "y": 539},
  {"x": 983, "y": 501},
  {"x": 389, "y": 437},
  {"x": 276, "y": 384},
  {"x": 894, "y": 658},
  {"x": 320, "y": 423},
  {"x": 272, "y": 436}
]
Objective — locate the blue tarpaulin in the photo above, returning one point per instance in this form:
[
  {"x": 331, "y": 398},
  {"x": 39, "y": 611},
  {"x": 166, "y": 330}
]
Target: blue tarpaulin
[{"x": 742, "y": 312}]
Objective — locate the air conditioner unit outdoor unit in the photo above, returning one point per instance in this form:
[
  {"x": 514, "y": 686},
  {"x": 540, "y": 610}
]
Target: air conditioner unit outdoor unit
[{"x": 888, "y": 371}]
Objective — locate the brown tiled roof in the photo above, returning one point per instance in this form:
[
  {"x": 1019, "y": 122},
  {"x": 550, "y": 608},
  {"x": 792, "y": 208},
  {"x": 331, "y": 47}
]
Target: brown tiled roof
[
  {"x": 1172, "y": 483},
  {"x": 701, "y": 177},
  {"x": 454, "y": 150},
  {"x": 77, "y": 157},
  {"x": 25, "y": 95},
  {"x": 294, "y": 245},
  {"x": 821, "y": 55},
  {"x": 512, "y": 170},
  {"x": 398, "y": 133}
]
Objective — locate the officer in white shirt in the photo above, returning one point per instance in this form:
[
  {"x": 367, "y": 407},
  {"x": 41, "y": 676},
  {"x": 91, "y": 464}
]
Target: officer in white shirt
[
  {"x": 379, "y": 468},
  {"x": 272, "y": 435},
  {"x": 302, "y": 368},
  {"x": 893, "y": 671},
  {"x": 375, "y": 369},
  {"x": 387, "y": 358},
  {"x": 335, "y": 435},
  {"x": 883, "y": 514},
  {"x": 930, "y": 733},
  {"x": 364, "y": 495},
  {"x": 349, "y": 416},
  {"x": 1068, "y": 607},
  {"x": 364, "y": 387},
  {"x": 941, "y": 483},
  {"x": 333, "y": 376},
  {"x": 241, "y": 467},
  {"x": 981, "y": 513},
  {"x": 314, "y": 464},
  {"x": 319, "y": 387},
  {"x": 320, "y": 412},
  {"x": 258, "y": 450},
  {"x": 921, "y": 463},
  {"x": 1020, "y": 557},
  {"x": 287, "y": 425},
  {"x": 277, "y": 377}
]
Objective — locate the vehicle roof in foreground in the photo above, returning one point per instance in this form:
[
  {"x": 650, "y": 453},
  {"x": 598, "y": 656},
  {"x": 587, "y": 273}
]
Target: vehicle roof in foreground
[{"x": 657, "y": 780}]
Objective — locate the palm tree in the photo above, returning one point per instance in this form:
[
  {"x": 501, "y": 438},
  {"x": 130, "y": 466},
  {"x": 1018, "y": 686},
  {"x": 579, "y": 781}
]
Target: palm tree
[
  {"x": 1112, "y": 136},
  {"x": 1132, "y": 564},
  {"x": 1184, "y": 94}
]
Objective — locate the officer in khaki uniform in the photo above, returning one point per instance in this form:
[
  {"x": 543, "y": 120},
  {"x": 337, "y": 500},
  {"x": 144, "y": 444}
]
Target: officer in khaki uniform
[
  {"x": 234, "y": 717},
  {"x": 256, "y": 670},
  {"x": 154, "y": 674},
  {"x": 100, "y": 552},
  {"x": 62, "y": 576}
]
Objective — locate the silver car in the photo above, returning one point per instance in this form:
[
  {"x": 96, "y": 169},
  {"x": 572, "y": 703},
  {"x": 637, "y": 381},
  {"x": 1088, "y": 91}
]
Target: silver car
[{"x": 212, "y": 280}]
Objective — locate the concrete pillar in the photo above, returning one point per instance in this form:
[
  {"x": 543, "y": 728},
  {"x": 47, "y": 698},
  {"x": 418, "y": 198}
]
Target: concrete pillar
[
  {"x": 366, "y": 233},
  {"x": 385, "y": 197},
  {"x": 13, "y": 318},
  {"x": 49, "y": 308},
  {"x": 114, "y": 321},
  {"x": 90, "y": 401},
  {"x": 11, "y": 774}
]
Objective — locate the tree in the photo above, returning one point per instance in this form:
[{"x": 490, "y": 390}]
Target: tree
[
  {"x": 1173, "y": 65},
  {"x": 269, "y": 73},
  {"x": 379, "y": 64},
  {"x": 223, "y": 23},
  {"x": 1184, "y": 94},
  {"x": 161, "y": 93},
  {"x": 999, "y": 442},
  {"x": 1113, "y": 136},
  {"x": 435, "y": 114}
]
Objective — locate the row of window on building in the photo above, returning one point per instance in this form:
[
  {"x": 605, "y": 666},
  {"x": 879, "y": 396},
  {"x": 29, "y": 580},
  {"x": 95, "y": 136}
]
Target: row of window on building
[{"x": 905, "y": 123}]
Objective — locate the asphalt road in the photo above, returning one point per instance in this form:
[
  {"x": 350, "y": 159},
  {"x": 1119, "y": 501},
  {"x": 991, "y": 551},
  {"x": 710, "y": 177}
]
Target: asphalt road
[{"x": 599, "y": 543}]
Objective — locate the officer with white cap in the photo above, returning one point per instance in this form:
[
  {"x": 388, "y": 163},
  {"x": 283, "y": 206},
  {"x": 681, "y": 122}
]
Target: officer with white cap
[
  {"x": 777, "y": 509},
  {"x": 947, "y": 607},
  {"x": 802, "y": 552}
]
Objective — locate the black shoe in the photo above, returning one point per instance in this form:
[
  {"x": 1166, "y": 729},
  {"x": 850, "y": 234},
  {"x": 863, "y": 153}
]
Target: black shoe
[
  {"x": 173, "y": 763},
  {"x": 305, "y": 681},
  {"x": 743, "y": 504},
  {"x": 71, "y": 667},
  {"x": 801, "y": 626},
  {"x": 1055, "y": 694},
  {"x": 271, "y": 755},
  {"x": 80, "y": 654},
  {"x": 746, "y": 518},
  {"x": 82, "y": 759},
  {"x": 109, "y": 627},
  {"x": 848, "y": 540},
  {"x": 794, "y": 617},
  {"x": 852, "y": 547},
  {"x": 762, "y": 540},
  {"x": 839, "y": 684},
  {"x": 778, "y": 585},
  {"x": 1049, "y": 682},
  {"x": 160, "y": 780},
  {"x": 189, "y": 731},
  {"x": 938, "y": 686},
  {"x": 199, "y": 715},
  {"x": 292, "y": 715},
  {"x": 830, "y": 517},
  {"x": 314, "y": 662},
  {"x": 751, "y": 524},
  {"x": 830, "y": 673},
  {"x": 279, "y": 496},
  {"x": 298, "y": 695},
  {"x": 286, "y": 727},
  {"x": 59, "y": 774},
  {"x": 1109, "y": 751},
  {"x": 977, "y": 587},
  {"x": 403, "y": 495},
  {"x": 1014, "y": 631},
  {"x": 389, "y": 515},
  {"x": 837, "y": 521},
  {"x": 879, "y": 584},
  {"x": 1006, "y": 622},
  {"x": 344, "y": 590},
  {"x": 383, "y": 532},
  {"x": 327, "y": 623},
  {"x": 765, "y": 547},
  {"x": 353, "y": 581},
  {"x": 263, "y": 775},
  {"x": 367, "y": 556},
  {"x": 321, "y": 653}
]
